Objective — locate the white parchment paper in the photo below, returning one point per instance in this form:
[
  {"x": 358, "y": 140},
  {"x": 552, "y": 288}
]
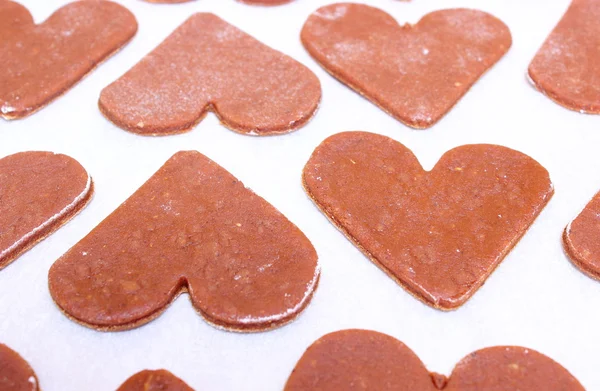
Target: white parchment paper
[{"x": 536, "y": 298}]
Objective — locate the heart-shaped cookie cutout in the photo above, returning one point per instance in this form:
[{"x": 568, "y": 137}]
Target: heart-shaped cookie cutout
[
  {"x": 415, "y": 73},
  {"x": 580, "y": 239},
  {"x": 39, "y": 192},
  {"x": 438, "y": 233},
  {"x": 566, "y": 67},
  {"x": 41, "y": 62},
  {"x": 368, "y": 360},
  {"x": 191, "y": 227},
  {"x": 15, "y": 372},
  {"x": 158, "y": 380},
  {"x": 208, "y": 64}
]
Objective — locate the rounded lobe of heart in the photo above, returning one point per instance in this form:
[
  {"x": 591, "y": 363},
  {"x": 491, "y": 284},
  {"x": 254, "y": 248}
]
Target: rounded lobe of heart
[
  {"x": 266, "y": 2},
  {"x": 192, "y": 226},
  {"x": 208, "y": 64},
  {"x": 502, "y": 368},
  {"x": 157, "y": 380},
  {"x": 41, "y": 62},
  {"x": 415, "y": 73},
  {"x": 15, "y": 372},
  {"x": 441, "y": 233},
  {"x": 359, "y": 360},
  {"x": 40, "y": 191},
  {"x": 566, "y": 66},
  {"x": 580, "y": 239}
]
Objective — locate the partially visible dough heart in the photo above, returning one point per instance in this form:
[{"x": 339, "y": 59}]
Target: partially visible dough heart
[
  {"x": 367, "y": 360},
  {"x": 567, "y": 66},
  {"x": 158, "y": 380},
  {"x": 15, "y": 372},
  {"x": 191, "y": 227},
  {"x": 439, "y": 233},
  {"x": 39, "y": 192},
  {"x": 41, "y": 62},
  {"x": 415, "y": 73},
  {"x": 208, "y": 64},
  {"x": 581, "y": 239}
]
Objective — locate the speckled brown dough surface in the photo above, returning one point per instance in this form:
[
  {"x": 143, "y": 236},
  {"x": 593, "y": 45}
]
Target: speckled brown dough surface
[
  {"x": 39, "y": 192},
  {"x": 368, "y": 360},
  {"x": 567, "y": 67},
  {"x": 41, "y": 62},
  {"x": 208, "y": 64},
  {"x": 159, "y": 380},
  {"x": 192, "y": 226},
  {"x": 15, "y": 372},
  {"x": 581, "y": 239},
  {"x": 438, "y": 233},
  {"x": 415, "y": 73}
]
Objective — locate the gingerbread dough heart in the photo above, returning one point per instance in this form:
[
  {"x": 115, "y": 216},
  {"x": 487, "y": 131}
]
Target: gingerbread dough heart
[
  {"x": 191, "y": 227},
  {"x": 39, "y": 192},
  {"x": 159, "y": 380},
  {"x": 438, "y": 233},
  {"x": 41, "y": 62},
  {"x": 415, "y": 73},
  {"x": 580, "y": 239},
  {"x": 367, "y": 360},
  {"x": 208, "y": 64},
  {"x": 254, "y": 2},
  {"x": 15, "y": 372},
  {"x": 567, "y": 67}
]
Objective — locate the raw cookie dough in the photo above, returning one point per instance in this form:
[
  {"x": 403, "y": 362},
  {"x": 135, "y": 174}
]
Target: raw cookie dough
[
  {"x": 416, "y": 73},
  {"x": 368, "y": 360},
  {"x": 39, "y": 192},
  {"x": 41, "y": 62},
  {"x": 209, "y": 65},
  {"x": 192, "y": 227},
  {"x": 158, "y": 380},
  {"x": 15, "y": 372},
  {"x": 581, "y": 239},
  {"x": 567, "y": 67},
  {"x": 439, "y": 233}
]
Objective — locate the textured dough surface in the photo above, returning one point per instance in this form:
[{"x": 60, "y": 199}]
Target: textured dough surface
[
  {"x": 39, "y": 192},
  {"x": 41, "y": 62},
  {"x": 439, "y": 233},
  {"x": 208, "y": 64},
  {"x": 416, "y": 73},
  {"x": 15, "y": 372},
  {"x": 567, "y": 67},
  {"x": 581, "y": 239},
  {"x": 158, "y": 380},
  {"x": 191, "y": 227},
  {"x": 368, "y": 360}
]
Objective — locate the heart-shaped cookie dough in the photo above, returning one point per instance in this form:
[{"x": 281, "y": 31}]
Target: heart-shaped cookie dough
[
  {"x": 191, "y": 227},
  {"x": 581, "y": 239},
  {"x": 39, "y": 192},
  {"x": 566, "y": 67},
  {"x": 368, "y": 360},
  {"x": 441, "y": 233},
  {"x": 253, "y": 2},
  {"x": 15, "y": 372},
  {"x": 41, "y": 62},
  {"x": 158, "y": 380},
  {"x": 208, "y": 64},
  {"x": 415, "y": 73}
]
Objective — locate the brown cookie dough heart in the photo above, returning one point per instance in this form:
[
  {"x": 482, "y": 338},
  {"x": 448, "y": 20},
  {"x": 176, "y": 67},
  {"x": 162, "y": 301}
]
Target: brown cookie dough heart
[
  {"x": 566, "y": 68},
  {"x": 15, "y": 372},
  {"x": 41, "y": 62},
  {"x": 208, "y": 64},
  {"x": 253, "y": 2},
  {"x": 191, "y": 227},
  {"x": 39, "y": 192},
  {"x": 438, "y": 233},
  {"x": 415, "y": 73},
  {"x": 367, "y": 360},
  {"x": 158, "y": 380},
  {"x": 580, "y": 239}
]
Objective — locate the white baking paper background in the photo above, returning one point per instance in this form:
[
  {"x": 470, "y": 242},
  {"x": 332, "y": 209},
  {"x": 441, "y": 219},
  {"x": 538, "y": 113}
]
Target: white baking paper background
[{"x": 536, "y": 298}]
